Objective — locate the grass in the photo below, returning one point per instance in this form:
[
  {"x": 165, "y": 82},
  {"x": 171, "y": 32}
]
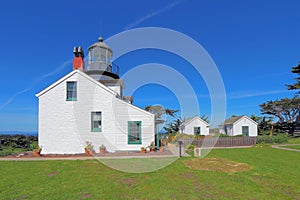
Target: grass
[
  {"x": 292, "y": 147},
  {"x": 273, "y": 174},
  {"x": 294, "y": 141}
]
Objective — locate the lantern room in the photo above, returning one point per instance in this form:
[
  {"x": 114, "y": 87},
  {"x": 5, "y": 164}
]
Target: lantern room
[{"x": 100, "y": 65}]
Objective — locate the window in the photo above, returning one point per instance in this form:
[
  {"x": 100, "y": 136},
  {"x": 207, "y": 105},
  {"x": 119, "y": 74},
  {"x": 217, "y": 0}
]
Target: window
[
  {"x": 197, "y": 130},
  {"x": 96, "y": 121},
  {"x": 71, "y": 91},
  {"x": 134, "y": 132},
  {"x": 245, "y": 130}
]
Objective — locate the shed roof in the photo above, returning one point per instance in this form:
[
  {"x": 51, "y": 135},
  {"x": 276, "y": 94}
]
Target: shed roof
[
  {"x": 234, "y": 119},
  {"x": 189, "y": 120}
]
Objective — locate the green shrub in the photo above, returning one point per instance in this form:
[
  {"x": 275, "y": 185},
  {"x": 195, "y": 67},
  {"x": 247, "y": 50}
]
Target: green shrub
[
  {"x": 6, "y": 152},
  {"x": 280, "y": 138},
  {"x": 190, "y": 147},
  {"x": 266, "y": 139},
  {"x": 34, "y": 145},
  {"x": 223, "y": 135}
]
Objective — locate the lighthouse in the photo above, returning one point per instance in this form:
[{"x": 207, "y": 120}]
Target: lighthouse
[{"x": 99, "y": 66}]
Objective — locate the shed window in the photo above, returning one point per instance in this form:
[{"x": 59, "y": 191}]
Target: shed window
[
  {"x": 245, "y": 130},
  {"x": 134, "y": 132},
  {"x": 71, "y": 91},
  {"x": 96, "y": 121},
  {"x": 197, "y": 130}
]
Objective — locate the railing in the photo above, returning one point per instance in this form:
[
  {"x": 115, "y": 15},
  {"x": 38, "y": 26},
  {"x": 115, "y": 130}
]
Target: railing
[
  {"x": 115, "y": 68},
  {"x": 101, "y": 66},
  {"x": 219, "y": 142}
]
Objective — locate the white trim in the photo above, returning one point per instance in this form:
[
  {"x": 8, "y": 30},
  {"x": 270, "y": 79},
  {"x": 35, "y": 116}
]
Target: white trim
[
  {"x": 71, "y": 74},
  {"x": 192, "y": 119},
  {"x": 243, "y": 117},
  {"x": 135, "y": 107}
]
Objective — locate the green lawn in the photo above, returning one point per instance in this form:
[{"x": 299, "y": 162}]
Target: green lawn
[
  {"x": 274, "y": 174},
  {"x": 292, "y": 147}
]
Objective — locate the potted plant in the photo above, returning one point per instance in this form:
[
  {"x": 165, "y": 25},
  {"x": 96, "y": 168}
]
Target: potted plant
[
  {"x": 102, "y": 149},
  {"x": 37, "y": 152},
  {"x": 152, "y": 147},
  {"x": 161, "y": 149},
  {"x": 89, "y": 148},
  {"x": 143, "y": 150}
]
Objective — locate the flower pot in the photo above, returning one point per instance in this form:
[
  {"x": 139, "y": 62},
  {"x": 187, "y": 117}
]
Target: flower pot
[
  {"x": 102, "y": 151},
  {"x": 88, "y": 152},
  {"x": 143, "y": 150},
  {"x": 36, "y": 153},
  {"x": 161, "y": 149}
]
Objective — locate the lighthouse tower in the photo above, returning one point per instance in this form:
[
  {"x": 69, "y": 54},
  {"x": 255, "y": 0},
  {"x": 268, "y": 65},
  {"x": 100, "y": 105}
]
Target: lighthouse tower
[{"x": 101, "y": 68}]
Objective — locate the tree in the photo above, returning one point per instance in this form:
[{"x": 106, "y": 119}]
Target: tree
[
  {"x": 158, "y": 111},
  {"x": 295, "y": 86},
  {"x": 205, "y": 118},
  {"x": 173, "y": 127},
  {"x": 264, "y": 124},
  {"x": 286, "y": 110}
]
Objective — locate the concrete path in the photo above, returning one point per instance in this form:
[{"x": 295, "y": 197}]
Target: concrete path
[
  {"x": 283, "y": 148},
  {"x": 172, "y": 148},
  {"x": 175, "y": 150}
]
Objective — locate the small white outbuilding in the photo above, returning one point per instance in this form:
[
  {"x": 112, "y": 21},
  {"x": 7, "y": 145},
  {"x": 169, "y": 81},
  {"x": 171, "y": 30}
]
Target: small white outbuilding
[
  {"x": 194, "y": 126},
  {"x": 239, "y": 125}
]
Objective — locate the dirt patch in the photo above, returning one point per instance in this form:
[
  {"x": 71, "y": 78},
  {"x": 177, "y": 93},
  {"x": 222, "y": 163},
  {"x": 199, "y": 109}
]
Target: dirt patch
[
  {"x": 22, "y": 197},
  {"x": 52, "y": 174},
  {"x": 85, "y": 196},
  {"x": 130, "y": 182},
  {"x": 216, "y": 164}
]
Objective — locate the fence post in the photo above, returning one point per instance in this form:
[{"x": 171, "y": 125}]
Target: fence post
[{"x": 180, "y": 143}]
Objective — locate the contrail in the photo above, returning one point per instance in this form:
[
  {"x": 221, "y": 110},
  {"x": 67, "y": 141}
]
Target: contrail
[
  {"x": 57, "y": 70},
  {"x": 152, "y": 14}
]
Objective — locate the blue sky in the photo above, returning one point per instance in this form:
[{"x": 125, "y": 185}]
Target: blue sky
[{"x": 253, "y": 43}]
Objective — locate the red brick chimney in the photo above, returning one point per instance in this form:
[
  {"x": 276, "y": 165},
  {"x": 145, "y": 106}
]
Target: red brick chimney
[{"x": 78, "y": 62}]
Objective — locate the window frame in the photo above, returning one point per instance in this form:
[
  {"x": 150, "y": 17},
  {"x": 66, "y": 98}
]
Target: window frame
[
  {"x": 243, "y": 127},
  {"x": 140, "y": 132},
  {"x": 73, "y": 97},
  {"x": 198, "y": 128},
  {"x": 94, "y": 129}
]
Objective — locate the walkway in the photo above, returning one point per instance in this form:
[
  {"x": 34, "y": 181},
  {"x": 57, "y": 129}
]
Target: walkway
[
  {"x": 283, "y": 148},
  {"x": 170, "y": 151}
]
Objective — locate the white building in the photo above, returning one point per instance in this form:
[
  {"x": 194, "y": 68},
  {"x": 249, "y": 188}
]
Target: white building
[
  {"x": 195, "y": 126},
  {"x": 239, "y": 125},
  {"x": 88, "y": 105}
]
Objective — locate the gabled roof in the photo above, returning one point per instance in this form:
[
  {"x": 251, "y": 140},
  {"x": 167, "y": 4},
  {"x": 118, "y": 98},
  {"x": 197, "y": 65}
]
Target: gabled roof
[
  {"x": 71, "y": 74},
  {"x": 235, "y": 119},
  {"x": 189, "y": 120},
  {"x": 95, "y": 82}
]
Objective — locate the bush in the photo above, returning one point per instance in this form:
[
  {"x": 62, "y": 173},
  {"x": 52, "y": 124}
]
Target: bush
[
  {"x": 280, "y": 138},
  {"x": 34, "y": 145},
  {"x": 277, "y": 139},
  {"x": 223, "y": 135},
  {"x": 190, "y": 147},
  {"x": 6, "y": 152}
]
